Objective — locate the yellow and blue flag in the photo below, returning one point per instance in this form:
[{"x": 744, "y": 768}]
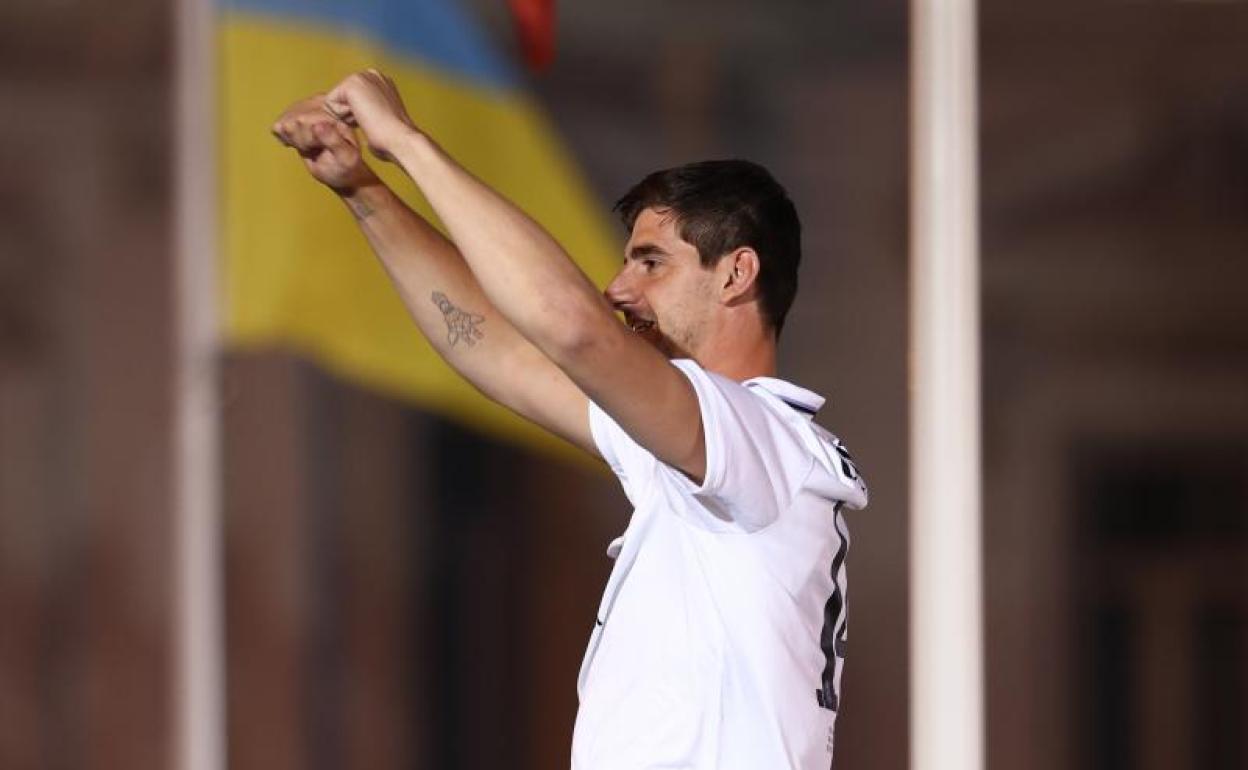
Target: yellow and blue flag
[{"x": 297, "y": 273}]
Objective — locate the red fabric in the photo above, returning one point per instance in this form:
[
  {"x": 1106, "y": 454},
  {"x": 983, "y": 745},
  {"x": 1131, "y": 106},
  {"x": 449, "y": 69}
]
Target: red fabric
[{"x": 535, "y": 26}]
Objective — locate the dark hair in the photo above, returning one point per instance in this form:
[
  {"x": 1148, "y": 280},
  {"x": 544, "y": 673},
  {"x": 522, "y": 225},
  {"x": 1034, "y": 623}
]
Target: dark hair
[{"x": 722, "y": 205}]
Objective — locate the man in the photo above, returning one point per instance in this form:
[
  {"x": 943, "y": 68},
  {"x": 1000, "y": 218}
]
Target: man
[{"x": 720, "y": 637}]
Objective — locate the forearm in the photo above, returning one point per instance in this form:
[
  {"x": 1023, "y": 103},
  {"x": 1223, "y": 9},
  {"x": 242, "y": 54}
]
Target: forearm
[
  {"x": 439, "y": 291},
  {"x": 522, "y": 270}
]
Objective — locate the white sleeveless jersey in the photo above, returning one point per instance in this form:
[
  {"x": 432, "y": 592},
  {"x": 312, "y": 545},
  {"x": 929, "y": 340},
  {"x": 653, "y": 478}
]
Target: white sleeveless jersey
[{"x": 721, "y": 634}]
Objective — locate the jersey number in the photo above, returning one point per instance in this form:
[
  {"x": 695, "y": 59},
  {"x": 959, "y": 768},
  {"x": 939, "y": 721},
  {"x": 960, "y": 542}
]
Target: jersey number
[{"x": 832, "y": 637}]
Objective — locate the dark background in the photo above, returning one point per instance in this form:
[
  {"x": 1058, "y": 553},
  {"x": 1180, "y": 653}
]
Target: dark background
[{"x": 404, "y": 593}]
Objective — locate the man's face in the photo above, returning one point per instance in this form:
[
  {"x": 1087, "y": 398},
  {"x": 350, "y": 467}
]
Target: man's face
[{"x": 663, "y": 291}]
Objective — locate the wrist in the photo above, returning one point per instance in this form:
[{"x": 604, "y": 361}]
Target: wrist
[
  {"x": 366, "y": 199},
  {"x": 414, "y": 149}
]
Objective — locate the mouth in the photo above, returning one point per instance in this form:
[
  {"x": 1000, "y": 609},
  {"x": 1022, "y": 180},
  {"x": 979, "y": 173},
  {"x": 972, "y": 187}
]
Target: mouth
[{"x": 639, "y": 325}]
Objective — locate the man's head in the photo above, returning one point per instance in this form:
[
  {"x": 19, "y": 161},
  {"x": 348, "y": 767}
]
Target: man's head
[{"x": 706, "y": 239}]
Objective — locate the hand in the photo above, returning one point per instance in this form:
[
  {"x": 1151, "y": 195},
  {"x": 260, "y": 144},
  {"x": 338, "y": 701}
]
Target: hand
[
  {"x": 370, "y": 100},
  {"x": 329, "y": 148}
]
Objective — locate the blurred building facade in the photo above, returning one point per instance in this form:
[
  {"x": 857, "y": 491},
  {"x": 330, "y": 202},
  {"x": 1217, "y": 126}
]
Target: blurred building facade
[
  {"x": 403, "y": 592},
  {"x": 1115, "y": 188},
  {"x": 85, "y": 386}
]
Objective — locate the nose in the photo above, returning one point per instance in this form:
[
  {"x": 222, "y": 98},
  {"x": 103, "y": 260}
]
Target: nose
[{"x": 622, "y": 291}]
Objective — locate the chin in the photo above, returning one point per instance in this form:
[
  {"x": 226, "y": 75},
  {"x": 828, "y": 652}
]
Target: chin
[{"x": 668, "y": 347}]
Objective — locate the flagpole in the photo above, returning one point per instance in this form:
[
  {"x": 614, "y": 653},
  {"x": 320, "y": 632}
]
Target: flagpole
[
  {"x": 198, "y": 677},
  {"x": 946, "y": 636}
]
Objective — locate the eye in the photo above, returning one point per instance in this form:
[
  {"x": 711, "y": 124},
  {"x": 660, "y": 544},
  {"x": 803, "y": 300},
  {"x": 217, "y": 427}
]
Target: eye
[{"x": 649, "y": 264}]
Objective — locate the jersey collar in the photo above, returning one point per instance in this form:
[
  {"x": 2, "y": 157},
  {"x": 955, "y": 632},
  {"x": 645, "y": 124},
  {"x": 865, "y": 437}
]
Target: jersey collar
[{"x": 805, "y": 401}]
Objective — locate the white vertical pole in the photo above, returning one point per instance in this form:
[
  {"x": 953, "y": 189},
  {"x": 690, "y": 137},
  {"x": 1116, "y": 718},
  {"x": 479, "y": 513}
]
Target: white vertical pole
[
  {"x": 946, "y": 642},
  {"x": 199, "y": 739}
]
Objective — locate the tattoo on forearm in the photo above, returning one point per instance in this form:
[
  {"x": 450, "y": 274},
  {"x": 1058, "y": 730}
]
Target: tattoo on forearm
[
  {"x": 461, "y": 326},
  {"x": 359, "y": 208}
]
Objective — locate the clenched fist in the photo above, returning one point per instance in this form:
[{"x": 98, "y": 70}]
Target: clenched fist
[
  {"x": 328, "y": 146},
  {"x": 370, "y": 100}
]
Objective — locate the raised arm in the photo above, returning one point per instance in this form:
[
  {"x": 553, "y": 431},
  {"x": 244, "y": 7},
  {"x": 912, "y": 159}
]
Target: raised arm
[
  {"x": 534, "y": 285},
  {"x": 440, "y": 292}
]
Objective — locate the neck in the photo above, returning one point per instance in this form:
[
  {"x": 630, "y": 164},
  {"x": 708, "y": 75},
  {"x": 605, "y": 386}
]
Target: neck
[{"x": 740, "y": 353}]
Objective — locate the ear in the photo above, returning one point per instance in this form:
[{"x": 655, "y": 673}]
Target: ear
[{"x": 738, "y": 273}]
